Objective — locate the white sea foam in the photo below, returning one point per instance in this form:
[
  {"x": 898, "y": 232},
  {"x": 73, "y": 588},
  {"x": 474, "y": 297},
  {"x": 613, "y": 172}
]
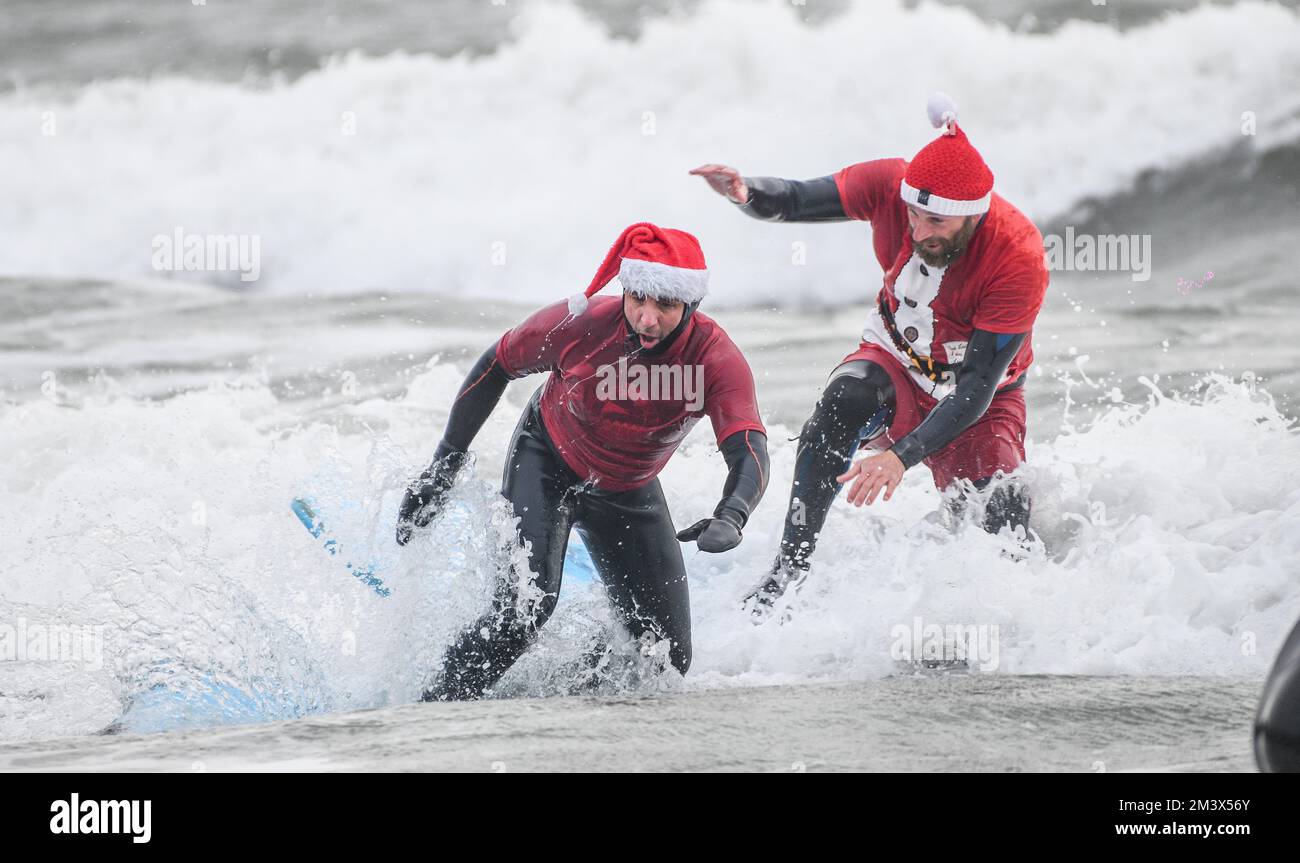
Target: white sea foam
[{"x": 1169, "y": 545}]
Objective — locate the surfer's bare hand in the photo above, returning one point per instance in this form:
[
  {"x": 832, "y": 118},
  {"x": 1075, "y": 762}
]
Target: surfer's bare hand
[
  {"x": 725, "y": 181},
  {"x": 871, "y": 475}
]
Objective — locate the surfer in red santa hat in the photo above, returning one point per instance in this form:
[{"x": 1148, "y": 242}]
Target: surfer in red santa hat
[
  {"x": 629, "y": 376},
  {"x": 938, "y": 375}
]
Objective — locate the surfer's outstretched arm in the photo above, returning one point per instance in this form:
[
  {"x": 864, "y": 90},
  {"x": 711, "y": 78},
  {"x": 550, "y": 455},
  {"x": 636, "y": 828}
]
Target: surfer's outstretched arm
[
  {"x": 773, "y": 199},
  {"x": 474, "y": 403}
]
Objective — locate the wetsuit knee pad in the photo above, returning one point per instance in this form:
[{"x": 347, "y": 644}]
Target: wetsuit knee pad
[{"x": 859, "y": 396}]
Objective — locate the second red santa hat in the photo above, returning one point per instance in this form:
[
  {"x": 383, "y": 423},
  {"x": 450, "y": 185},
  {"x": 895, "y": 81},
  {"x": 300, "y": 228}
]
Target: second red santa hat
[{"x": 948, "y": 177}]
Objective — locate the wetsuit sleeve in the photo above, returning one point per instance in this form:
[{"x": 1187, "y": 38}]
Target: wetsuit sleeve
[
  {"x": 987, "y": 358},
  {"x": 537, "y": 344},
  {"x": 478, "y": 395},
  {"x": 868, "y": 187},
  {"x": 772, "y": 199},
  {"x": 474, "y": 403},
  {"x": 747, "y": 473}
]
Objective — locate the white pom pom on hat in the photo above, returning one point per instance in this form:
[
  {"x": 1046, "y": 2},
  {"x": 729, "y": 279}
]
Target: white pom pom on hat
[
  {"x": 942, "y": 111},
  {"x": 948, "y": 176}
]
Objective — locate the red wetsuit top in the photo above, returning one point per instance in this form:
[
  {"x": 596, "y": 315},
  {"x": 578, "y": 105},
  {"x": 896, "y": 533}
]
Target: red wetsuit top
[
  {"x": 611, "y": 421},
  {"x": 996, "y": 285}
]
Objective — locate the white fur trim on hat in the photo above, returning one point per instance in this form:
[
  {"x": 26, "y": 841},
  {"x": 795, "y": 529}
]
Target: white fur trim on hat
[
  {"x": 945, "y": 206},
  {"x": 663, "y": 282}
]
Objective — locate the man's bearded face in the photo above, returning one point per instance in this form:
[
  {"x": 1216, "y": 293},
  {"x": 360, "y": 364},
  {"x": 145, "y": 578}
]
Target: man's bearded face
[{"x": 939, "y": 240}]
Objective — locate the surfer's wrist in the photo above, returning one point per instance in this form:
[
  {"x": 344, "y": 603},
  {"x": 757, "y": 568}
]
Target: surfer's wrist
[
  {"x": 447, "y": 453},
  {"x": 909, "y": 451},
  {"x": 731, "y": 515}
]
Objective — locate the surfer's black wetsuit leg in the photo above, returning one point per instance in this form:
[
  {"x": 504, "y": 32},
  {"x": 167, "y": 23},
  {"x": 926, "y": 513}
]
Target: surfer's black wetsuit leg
[
  {"x": 540, "y": 488},
  {"x": 633, "y": 543},
  {"x": 1277, "y": 727},
  {"x": 856, "y": 405},
  {"x": 631, "y": 539}
]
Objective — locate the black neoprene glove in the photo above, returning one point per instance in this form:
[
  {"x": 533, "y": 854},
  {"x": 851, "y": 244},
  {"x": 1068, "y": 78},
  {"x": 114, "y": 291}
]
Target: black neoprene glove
[
  {"x": 720, "y": 533},
  {"x": 427, "y": 494}
]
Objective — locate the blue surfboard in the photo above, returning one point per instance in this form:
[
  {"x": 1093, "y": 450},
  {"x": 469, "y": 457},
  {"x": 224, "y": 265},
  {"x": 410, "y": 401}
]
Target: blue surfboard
[
  {"x": 578, "y": 565},
  {"x": 305, "y": 509}
]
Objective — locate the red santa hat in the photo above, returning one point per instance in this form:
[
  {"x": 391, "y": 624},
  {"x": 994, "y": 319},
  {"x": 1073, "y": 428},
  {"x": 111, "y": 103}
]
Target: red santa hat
[
  {"x": 662, "y": 263},
  {"x": 948, "y": 177}
]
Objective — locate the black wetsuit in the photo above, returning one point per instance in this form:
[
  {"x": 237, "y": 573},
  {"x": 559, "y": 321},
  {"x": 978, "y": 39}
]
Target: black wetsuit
[
  {"x": 629, "y": 534},
  {"x": 858, "y": 404},
  {"x": 1277, "y": 728}
]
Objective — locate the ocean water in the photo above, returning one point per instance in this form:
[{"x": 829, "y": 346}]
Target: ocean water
[{"x": 156, "y": 425}]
